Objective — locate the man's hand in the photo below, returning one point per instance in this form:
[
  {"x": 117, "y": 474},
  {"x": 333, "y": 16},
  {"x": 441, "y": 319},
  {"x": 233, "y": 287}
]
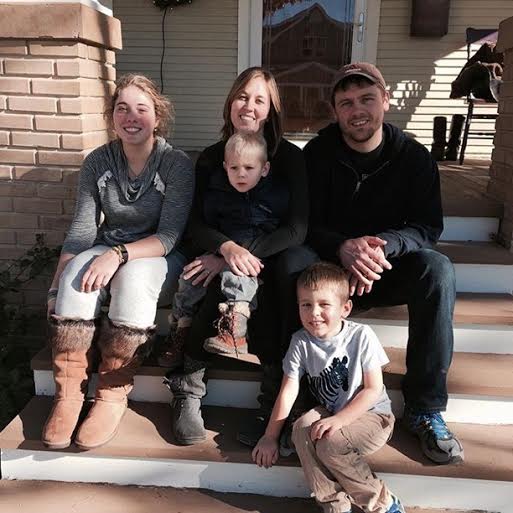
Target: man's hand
[
  {"x": 364, "y": 259},
  {"x": 326, "y": 427},
  {"x": 357, "y": 286},
  {"x": 265, "y": 454},
  {"x": 100, "y": 271}
]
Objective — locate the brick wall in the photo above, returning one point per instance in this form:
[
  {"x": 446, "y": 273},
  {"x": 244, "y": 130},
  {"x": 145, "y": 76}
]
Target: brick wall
[
  {"x": 501, "y": 171},
  {"x": 52, "y": 98}
]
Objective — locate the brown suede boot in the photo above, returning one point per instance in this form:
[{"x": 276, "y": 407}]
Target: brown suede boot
[
  {"x": 231, "y": 329},
  {"x": 171, "y": 355},
  {"x": 122, "y": 350},
  {"x": 71, "y": 342}
]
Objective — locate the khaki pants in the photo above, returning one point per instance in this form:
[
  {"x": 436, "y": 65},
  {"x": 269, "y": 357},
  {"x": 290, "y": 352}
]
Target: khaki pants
[{"x": 335, "y": 468}]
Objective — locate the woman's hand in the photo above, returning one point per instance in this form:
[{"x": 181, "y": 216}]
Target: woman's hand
[
  {"x": 50, "y": 307},
  {"x": 205, "y": 268},
  {"x": 265, "y": 454},
  {"x": 240, "y": 260},
  {"x": 100, "y": 271}
]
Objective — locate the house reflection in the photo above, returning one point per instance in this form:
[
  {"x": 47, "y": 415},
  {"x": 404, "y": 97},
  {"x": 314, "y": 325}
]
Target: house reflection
[{"x": 304, "y": 51}]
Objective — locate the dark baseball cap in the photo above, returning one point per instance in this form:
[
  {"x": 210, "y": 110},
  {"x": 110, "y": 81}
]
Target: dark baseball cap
[{"x": 363, "y": 69}]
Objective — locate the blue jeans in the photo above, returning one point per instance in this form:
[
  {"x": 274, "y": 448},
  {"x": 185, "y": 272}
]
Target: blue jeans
[{"x": 425, "y": 281}]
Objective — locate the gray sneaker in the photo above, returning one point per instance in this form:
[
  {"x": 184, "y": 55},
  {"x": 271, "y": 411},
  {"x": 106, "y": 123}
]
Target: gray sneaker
[{"x": 436, "y": 441}]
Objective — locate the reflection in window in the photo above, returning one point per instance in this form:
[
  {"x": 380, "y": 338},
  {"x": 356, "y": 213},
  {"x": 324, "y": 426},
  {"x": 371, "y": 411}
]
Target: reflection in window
[{"x": 304, "y": 43}]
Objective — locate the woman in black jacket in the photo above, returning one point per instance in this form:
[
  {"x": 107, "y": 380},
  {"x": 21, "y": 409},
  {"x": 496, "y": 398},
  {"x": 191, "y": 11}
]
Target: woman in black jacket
[{"x": 253, "y": 105}]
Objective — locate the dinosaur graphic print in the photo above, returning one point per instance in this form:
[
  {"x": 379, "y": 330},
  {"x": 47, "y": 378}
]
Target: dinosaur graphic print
[{"x": 326, "y": 387}]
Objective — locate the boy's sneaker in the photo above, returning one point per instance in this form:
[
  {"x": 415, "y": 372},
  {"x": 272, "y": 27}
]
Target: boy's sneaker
[
  {"x": 396, "y": 506},
  {"x": 436, "y": 441},
  {"x": 251, "y": 432},
  {"x": 286, "y": 445}
]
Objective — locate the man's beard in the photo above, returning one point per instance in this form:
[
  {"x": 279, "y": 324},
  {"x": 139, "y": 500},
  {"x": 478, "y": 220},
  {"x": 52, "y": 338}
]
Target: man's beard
[{"x": 361, "y": 136}]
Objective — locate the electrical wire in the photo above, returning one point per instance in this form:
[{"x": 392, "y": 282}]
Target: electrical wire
[{"x": 163, "y": 51}]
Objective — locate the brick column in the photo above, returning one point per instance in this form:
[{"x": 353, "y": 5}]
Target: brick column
[
  {"x": 501, "y": 171},
  {"x": 56, "y": 69}
]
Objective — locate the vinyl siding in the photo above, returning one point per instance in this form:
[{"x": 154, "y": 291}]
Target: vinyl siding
[
  {"x": 420, "y": 70},
  {"x": 200, "y": 61}
]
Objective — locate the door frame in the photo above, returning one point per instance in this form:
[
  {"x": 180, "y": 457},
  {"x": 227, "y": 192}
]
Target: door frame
[{"x": 250, "y": 14}]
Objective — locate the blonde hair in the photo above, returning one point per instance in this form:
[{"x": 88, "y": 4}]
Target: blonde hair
[
  {"x": 240, "y": 142},
  {"x": 273, "y": 129},
  {"x": 164, "y": 111},
  {"x": 325, "y": 274}
]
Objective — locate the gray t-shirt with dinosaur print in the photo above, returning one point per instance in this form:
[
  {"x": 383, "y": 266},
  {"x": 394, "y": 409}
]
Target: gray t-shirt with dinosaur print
[{"x": 334, "y": 367}]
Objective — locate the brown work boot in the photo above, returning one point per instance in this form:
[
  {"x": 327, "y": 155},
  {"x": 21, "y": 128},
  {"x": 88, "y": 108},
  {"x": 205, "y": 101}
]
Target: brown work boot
[
  {"x": 122, "y": 351},
  {"x": 231, "y": 329},
  {"x": 171, "y": 355},
  {"x": 71, "y": 342}
]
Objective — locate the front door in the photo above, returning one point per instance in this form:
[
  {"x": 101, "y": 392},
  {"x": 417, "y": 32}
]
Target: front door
[{"x": 304, "y": 43}]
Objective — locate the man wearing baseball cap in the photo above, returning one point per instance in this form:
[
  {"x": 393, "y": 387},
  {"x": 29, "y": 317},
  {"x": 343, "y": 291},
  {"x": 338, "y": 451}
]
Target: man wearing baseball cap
[{"x": 376, "y": 210}]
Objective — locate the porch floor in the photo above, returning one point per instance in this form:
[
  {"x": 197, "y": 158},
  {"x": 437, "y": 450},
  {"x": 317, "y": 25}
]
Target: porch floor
[{"x": 464, "y": 189}]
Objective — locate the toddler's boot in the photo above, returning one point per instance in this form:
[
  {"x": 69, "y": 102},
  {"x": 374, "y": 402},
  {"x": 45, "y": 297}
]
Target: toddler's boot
[{"x": 232, "y": 329}]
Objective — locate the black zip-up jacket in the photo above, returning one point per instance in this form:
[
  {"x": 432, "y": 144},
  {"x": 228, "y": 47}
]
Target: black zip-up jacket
[
  {"x": 287, "y": 178},
  {"x": 244, "y": 216},
  {"x": 399, "y": 201}
]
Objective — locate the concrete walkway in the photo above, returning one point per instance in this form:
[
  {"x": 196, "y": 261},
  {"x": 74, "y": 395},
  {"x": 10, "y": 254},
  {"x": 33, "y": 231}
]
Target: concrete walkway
[{"x": 55, "y": 497}]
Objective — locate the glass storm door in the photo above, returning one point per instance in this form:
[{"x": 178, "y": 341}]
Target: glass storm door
[{"x": 304, "y": 43}]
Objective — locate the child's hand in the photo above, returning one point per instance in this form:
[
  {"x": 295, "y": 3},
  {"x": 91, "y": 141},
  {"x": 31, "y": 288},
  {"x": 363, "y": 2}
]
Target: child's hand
[
  {"x": 240, "y": 260},
  {"x": 265, "y": 454},
  {"x": 326, "y": 427}
]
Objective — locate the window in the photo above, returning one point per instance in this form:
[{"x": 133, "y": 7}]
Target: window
[{"x": 304, "y": 43}]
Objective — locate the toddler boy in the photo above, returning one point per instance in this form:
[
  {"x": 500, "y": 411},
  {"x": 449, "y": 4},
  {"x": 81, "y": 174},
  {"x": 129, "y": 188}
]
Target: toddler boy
[{"x": 250, "y": 205}]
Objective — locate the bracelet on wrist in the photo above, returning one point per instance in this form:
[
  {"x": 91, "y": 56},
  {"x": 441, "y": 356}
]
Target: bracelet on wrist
[
  {"x": 122, "y": 253},
  {"x": 118, "y": 254}
]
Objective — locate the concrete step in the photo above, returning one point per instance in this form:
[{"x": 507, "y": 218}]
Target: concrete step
[
  {"x": 462, "y": 228},
  {"x": 480, "y": 385},
  {"x": 143, "y": 453},
  {"x": 477, "y": 317},
  {"x": 480, "y": 266},
  {"x": 483, "y": 323},
  {"x": 51, "y": 496}
]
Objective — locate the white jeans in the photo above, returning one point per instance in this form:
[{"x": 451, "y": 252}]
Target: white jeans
[{"x": 135, "y": 290}]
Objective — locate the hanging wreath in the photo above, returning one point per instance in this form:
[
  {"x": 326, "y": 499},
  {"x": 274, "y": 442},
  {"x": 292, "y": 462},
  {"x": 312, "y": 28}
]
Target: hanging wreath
[{"x": 164, "y": 4}]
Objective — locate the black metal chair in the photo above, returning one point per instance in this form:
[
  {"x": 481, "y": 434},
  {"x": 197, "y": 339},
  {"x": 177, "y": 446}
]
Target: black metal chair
[{"x": 474, "y": 36}]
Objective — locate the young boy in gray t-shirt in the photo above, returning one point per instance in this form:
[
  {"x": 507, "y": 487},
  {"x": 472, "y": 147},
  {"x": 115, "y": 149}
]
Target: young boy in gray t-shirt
[{"x": 342, "y": 361}]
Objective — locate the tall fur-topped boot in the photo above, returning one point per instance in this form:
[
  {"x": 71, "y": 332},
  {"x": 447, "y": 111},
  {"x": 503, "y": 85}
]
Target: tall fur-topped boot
[
  {"x": 71, "y": 344},
  {"x": 123, "y": 349}
]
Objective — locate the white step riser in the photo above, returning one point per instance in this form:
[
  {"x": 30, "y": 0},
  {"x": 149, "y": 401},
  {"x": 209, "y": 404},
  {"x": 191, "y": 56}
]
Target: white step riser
[
  {"x": 468, "y": 338},
  {"x": 414, "y": 490},
  {"x": 477, "y": 229},
  {"x": 497, "y": 279},
  {"x": 243, "y": 394}
]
